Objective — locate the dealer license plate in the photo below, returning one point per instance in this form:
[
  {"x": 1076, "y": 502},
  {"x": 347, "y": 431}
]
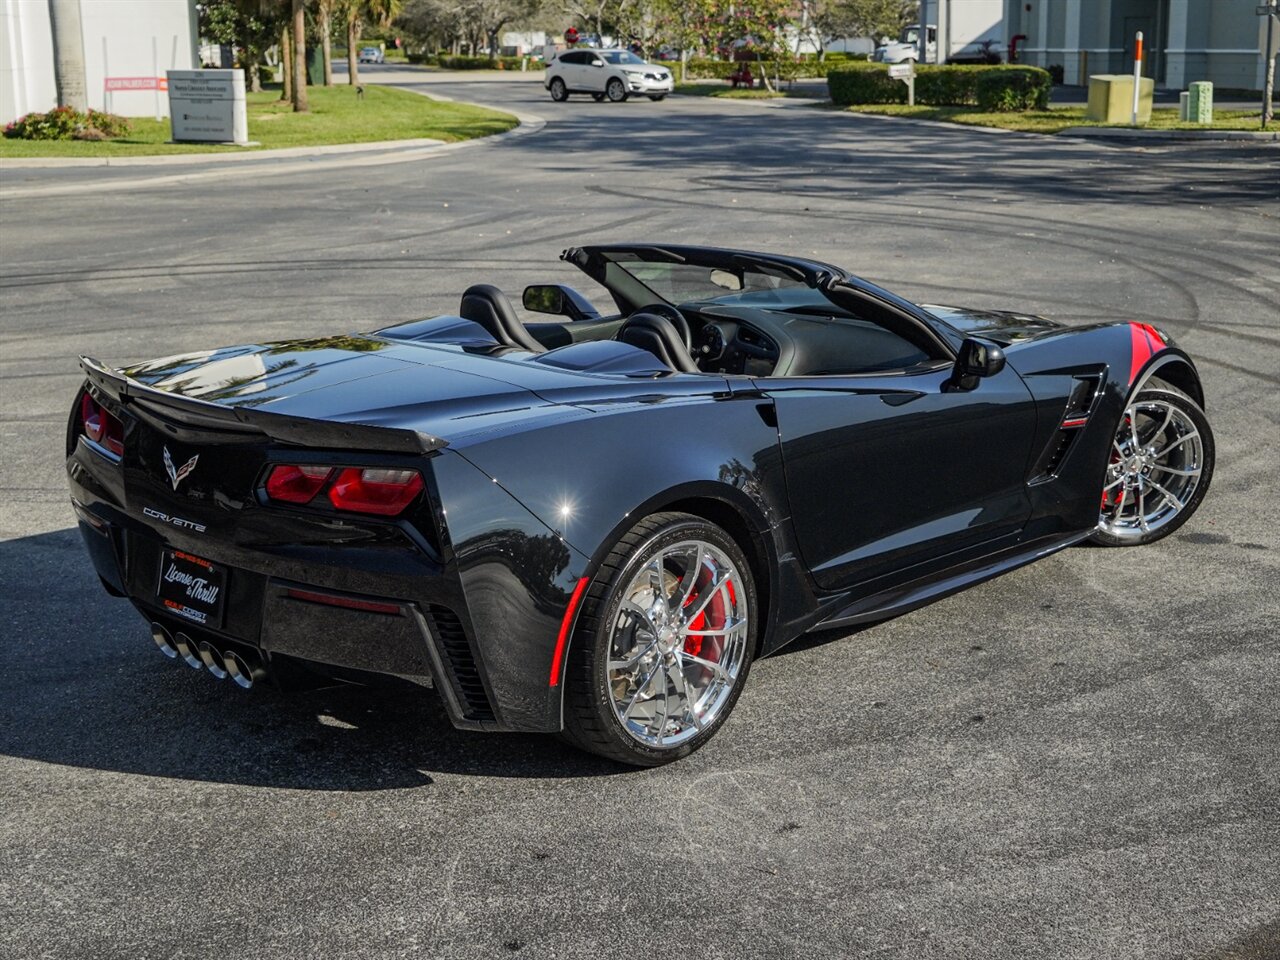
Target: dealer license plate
[{"x": 191, "y": 587}]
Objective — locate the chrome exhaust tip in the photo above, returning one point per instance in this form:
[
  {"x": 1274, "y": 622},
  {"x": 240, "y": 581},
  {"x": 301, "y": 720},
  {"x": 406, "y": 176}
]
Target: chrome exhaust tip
[
  {"x": 212, "y": 659},
  {"x": 165, "y": 642},
  {"x": 244, "y": 672},
  {"x": 188, "y": 651}
]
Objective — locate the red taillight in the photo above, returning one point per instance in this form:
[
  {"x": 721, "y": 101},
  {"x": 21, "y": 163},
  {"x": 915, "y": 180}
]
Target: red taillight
[
  {"x": 101, "y": 427},
  {"x": 294, "y": 483},
  {"x": 385, "y": 492},
  {"x": 375, "y": 490}
]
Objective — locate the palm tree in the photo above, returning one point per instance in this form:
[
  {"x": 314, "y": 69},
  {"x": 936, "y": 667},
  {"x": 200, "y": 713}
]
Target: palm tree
[
  {"x": 358, "y": 12},
  {"x": 299, "y": 31},
  {"x": 286, "y": 64},
  {"x": 324, "y": 13},
  {"x": 68, "y": 54}
]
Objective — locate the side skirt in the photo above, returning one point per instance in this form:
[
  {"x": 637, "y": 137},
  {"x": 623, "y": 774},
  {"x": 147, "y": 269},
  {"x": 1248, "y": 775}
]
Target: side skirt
[{"x": 918, "y": 593}]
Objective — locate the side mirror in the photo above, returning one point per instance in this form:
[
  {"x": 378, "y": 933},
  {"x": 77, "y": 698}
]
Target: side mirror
[
  {"x": 558, "y": 299},
  {"x": 546, "y": 298},
  {"x": 976, "y": 359},
  {"x": 597, "y": 63}
]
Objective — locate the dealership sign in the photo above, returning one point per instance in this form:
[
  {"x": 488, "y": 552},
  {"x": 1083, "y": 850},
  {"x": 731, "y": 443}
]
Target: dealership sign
[
  {"x": 208, "y": 106},
  {"x": 116, "y": 84}
]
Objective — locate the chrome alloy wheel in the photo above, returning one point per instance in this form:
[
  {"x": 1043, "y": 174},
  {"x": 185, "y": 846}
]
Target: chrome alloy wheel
[
  {"x": 678, "y": 643},
  {"x": 1157, "y": 457}
]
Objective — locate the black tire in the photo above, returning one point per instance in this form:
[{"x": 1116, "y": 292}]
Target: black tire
[
  {"x": 616, "y": 91},
  {"x": 597, "y": 97},
  {"x": 656, "y": 97},
  {"x": 1157, "y": 391},
  {"x": 559, "y": 92},
  {"x": 592, "y": 722}
]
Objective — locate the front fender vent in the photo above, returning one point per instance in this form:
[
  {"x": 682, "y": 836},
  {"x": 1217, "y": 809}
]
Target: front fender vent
[{"x": 1081, "y": 402}]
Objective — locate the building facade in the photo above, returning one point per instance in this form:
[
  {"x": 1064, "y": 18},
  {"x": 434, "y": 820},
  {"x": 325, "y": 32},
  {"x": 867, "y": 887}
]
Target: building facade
[
  {"x": 128, "y": 46},
  {"x": 1222, "y": 41}
]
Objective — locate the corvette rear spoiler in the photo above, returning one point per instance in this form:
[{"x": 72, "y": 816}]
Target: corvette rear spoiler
[{"x": 300, "y": 431}]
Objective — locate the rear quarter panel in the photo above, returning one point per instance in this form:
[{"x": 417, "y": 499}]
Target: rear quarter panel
[{"x": 592, "y": 478}]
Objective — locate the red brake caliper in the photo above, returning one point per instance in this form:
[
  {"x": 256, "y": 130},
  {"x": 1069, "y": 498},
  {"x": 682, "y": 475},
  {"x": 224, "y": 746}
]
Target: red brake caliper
[
  {"x": 716, "y": 609},
  {"x": 1112, "y": 497}
]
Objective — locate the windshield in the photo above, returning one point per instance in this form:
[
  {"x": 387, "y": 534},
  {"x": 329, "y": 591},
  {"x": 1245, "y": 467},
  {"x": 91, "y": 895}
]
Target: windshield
[
  {"x": 684, "y": 282},
  {"x": 620, "y": 56},
  {"x": 912, "y": 35}
]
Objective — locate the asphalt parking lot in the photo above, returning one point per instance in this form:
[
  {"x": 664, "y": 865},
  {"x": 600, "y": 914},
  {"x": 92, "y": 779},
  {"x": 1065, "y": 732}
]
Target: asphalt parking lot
[{"x": 1078, "y": 760}]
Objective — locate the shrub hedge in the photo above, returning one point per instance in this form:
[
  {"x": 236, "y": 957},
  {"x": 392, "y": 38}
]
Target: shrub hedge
[
  {"x": 448, "y": 62},
  {"x": 65, "y": 123},
  {"x": 1002, "y": 87},
  {"x": 703, "y": 69},
  {"x": 1014, "y": 89}
]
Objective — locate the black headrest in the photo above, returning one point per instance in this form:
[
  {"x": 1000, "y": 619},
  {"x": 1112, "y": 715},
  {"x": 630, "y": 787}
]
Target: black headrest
[
  {"x": 658, "y": 335},
  {"x": 488, "y": 306}
]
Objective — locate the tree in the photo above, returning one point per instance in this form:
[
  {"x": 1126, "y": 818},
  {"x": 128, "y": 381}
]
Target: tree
[
  {"x": 68, "y": 54},
  {"x": 600, "y": 14},
  {"x": 299, "y": 30},
  {"x": 822, "y": 21},
  {"x": 758, "y": 28},
  {"x": 493, "y": 15},
  {"x": 357, "y": 13},
  {"x": 324, "y": 14},
  {"x": 286, "y": 64},
  {"x": 686, "y": 25},
  {"x": 251, "y": 26},
  {"x": 638, "y": 23}
]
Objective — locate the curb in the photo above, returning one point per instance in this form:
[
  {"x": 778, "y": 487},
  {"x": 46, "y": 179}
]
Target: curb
[
  {"x": 274, "y": 162},
  {"x": 1128, "y": 133},
  {"x": 947, "y": 124},
  {"x": 1085, "y": 133},
  {"x": 239, "y": 156}
]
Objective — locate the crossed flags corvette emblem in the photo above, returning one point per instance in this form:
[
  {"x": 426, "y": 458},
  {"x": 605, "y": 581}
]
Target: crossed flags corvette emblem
[{"x": 176, "y": 475}]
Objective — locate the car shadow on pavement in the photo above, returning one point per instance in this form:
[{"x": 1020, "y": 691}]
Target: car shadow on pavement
[{"x": 83, "y": 685}]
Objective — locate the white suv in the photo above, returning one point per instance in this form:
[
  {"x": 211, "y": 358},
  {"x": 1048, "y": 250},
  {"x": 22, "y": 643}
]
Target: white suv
[{"x": 616, "y": 74}]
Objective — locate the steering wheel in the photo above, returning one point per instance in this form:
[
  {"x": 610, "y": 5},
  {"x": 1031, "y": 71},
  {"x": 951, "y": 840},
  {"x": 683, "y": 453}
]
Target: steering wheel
[{"x": 676, "y": 317}]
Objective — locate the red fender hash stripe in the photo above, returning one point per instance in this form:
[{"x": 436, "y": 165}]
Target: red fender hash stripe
[{"x": 1146, "y": 342}]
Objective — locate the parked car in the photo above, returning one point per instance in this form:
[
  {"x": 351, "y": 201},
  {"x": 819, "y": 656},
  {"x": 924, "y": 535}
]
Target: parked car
[
  {"x": 616, "y": 74},
  {"x": 596, "y": 523},
  {"x": 372, "y": 55}
]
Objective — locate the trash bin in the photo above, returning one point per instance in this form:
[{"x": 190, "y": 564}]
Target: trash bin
[
  {"x": 1111, "y": 98},
  {"x": 315, "y": 66}
]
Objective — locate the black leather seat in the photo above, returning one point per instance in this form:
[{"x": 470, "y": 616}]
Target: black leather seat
[
  {"x": 488, "y": 306},
  {"x": 658, "y": 335}
]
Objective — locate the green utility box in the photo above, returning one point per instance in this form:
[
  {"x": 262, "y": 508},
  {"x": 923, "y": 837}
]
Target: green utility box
[
  {"x": 1200, "y": 102},
  {"x": 315, "y": 66},
  {"x": 1111, "y": 98}
]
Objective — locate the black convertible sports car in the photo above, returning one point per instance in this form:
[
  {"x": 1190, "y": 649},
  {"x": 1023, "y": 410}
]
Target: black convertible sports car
[{"x": 594, "y": 525}]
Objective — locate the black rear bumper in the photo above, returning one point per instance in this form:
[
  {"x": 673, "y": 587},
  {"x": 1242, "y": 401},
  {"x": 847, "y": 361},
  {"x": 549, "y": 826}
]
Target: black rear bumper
[{"x": 298, "y": 591}]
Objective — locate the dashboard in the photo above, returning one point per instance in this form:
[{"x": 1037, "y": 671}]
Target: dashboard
[
  {"x": 724, "y": 345},
  {"x": 757, "y": 342}
]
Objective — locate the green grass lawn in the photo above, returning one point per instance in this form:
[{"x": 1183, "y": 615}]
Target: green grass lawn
[
  {"x": 1056, "y": 119},
  {"x": 336, "y": 116},
  {"x": 723, "y": 89}
]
